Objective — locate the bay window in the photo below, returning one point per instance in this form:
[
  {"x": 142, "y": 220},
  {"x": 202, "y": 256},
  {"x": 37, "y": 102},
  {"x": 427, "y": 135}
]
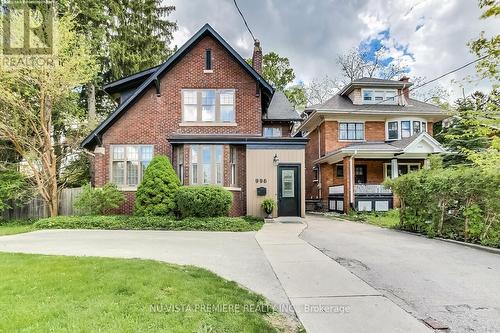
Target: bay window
[
  {"x": 351, "y": 131},
  {"x": 400, "y": 129},
  {"x": 208, "y": 105},
  {"x": 403, "y": 168},
  {"x": 405, "y": 129},
  {"x": 393, "y": 130},
  {"x": 128, "y": 163},
  {"x": 206, "y": 164}
]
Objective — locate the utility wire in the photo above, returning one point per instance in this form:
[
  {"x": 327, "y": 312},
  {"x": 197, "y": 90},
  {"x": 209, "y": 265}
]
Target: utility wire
[
  {"x": 244, "y": 21},
  {"x": 433, "y": 80}
]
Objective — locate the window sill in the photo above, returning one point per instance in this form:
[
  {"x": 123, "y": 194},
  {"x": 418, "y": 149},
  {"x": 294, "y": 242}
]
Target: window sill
[
  {"x": 340, "y": 140},
  {"x": 206, "y": 124},
  {"x": 233, "y": 189},
  {"x": 127, "y": 188},
  {"x": 208, "y": 71}
]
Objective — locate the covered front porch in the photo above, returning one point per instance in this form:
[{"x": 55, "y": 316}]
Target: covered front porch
[{"x": 352, "y": 177}]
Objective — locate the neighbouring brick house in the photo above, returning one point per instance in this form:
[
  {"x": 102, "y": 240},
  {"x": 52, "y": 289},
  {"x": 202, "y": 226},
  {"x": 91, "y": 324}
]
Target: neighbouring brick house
[
  {"x": 367, "y": 132},
  {"x": 215, "y": 117}
]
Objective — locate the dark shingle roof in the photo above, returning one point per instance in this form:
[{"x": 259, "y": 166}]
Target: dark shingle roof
[
  {"x": 280, "y": 108},
  {"x": 343, "y": 103}
]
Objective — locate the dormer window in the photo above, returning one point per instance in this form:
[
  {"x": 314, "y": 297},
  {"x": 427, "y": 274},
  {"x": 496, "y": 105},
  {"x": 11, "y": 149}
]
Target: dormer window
[
  {"x": 379, "y": 96},
  {"x": 208, "y": 60}
]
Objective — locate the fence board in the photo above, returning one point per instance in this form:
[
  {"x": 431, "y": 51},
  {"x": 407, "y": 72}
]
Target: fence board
[{"x": 36, "y": 207}]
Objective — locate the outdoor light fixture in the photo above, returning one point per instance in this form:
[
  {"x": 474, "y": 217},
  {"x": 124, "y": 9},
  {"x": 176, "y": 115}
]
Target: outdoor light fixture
[{"x": 276, "y": 160}]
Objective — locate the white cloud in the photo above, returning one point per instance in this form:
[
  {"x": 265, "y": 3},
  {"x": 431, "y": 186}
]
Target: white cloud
[{"x": 313, "y": 33}]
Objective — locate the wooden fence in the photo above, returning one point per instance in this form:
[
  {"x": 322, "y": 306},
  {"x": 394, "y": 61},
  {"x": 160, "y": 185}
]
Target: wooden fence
[{"x": 36, "y": 207}]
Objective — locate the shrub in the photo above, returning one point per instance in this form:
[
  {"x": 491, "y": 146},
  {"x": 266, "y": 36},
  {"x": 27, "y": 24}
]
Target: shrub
[
  {"x": 155, "y": 195},
  {"x": 203, "y": 201},
  {"x": 14, "y": 189},
  {"x": 97, "y": 201},
  {"x": 124, "y": 222},
  {"x": 460, "y": 203}
]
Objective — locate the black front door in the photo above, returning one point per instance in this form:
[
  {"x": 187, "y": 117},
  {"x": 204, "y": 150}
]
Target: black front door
[{"x": 289, "y": 190}]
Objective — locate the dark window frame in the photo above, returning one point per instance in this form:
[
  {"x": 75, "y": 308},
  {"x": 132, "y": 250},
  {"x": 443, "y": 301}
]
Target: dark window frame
[
  {"x": 351, "y": 131},
  {"x": 339, "y": 167},
  {"x": 394, "y": 131},
  {"x": 363, "y": 176},
  {"x": 208, "y": 60}
]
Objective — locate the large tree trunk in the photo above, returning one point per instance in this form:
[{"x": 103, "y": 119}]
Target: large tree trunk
[{"x": 92, "y": 116}]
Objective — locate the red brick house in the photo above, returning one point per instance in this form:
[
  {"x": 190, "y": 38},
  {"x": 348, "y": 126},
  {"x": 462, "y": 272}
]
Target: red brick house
[
  {"x": 216, "y": 118},
  {"x": 367, "y": 132}
]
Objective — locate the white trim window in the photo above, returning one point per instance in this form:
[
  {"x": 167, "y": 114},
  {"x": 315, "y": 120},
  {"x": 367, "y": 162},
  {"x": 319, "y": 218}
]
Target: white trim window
[
  {"x": 208, "y": 106},
  {"x": 179, "y": 160},
  {"x": 206, "y": 165},
  {"x": 271, "y": 132},
  {"x": 403, "y": 169},
  {"x": 404, "y": 128},
  {"x": 233, "y": 163},
  {"x": 128, "y": 163},
  {"x": 379, "y": 96},
  {"x": 352, "y": 131}
]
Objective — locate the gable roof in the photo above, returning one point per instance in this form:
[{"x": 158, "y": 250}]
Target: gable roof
[
  {"x": 281, "y": 109},
  {"x": 206, "y": 30},
  {"x": 130, "y": 81}
]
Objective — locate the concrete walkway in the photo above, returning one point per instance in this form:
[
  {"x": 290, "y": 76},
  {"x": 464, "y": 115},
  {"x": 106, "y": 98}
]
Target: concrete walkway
[{"x": 325, "y": 295}]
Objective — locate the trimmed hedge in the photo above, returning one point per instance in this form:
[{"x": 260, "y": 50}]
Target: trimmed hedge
[
  {"x": 203, "y": 201},
  {"x": 98, "y": 200},
  {"x": 124, "y": 222},
  {"x": 155, "y": 195}
]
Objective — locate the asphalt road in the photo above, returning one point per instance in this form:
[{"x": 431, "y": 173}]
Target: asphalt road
[{"x": 456, "y": 285}]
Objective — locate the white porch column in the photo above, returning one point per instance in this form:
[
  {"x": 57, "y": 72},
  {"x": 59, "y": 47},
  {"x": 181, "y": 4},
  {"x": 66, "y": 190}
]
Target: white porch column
[
  {"x": 351, "y": 180},
  {"x": 394, "y": 168}
]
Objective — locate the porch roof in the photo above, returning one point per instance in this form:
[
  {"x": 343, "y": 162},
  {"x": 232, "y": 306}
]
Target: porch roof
[{"x": 417, "y": 146}]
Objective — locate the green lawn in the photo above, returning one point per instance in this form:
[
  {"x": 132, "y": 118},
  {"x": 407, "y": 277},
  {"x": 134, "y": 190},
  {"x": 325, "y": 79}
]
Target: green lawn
[
  {"x": 77, "y": 294},
  {"x": 11, "y": 227}
]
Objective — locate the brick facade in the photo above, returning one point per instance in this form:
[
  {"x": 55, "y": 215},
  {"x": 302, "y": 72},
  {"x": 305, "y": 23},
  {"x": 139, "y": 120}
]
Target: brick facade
[{"x": 154, "y": 119}]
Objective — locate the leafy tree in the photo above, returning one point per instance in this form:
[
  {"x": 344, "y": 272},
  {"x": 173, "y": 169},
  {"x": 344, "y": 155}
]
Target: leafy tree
[
  {"x": 488, "y": 67},
  {"x": 473, "y": 128},
  {"x": 97, "y": 201},
  {"x": 76, "y": 172},
  {"x": 32, "y": 104},
  {"x": 13, "y": 187},
  {"x": 155, "y": 195},
  {"x": 296, "y": 94},
  {"x": 126, "y": 36},
  {"x": 277, "y": 71}
]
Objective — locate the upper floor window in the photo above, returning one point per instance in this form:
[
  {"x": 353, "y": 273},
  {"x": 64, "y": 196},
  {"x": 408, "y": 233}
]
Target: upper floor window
[
  {"x": 379, "y": 96},
  {"x": 208, "y": 105},
  {"x": 128, "y": 163},
  {"x": 272, "y": 132},
  {"x": 352, "y": 131},
  {"x": 208, "y": 59},
  {"x": 404, "y": 128},
  {"x": 206, "y": 164}
]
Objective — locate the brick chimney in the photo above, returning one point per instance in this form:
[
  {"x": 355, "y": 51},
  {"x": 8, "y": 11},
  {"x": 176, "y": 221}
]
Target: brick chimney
[
  {"x": 257, "y": 57},
  {"x": 406, "y": 91}
]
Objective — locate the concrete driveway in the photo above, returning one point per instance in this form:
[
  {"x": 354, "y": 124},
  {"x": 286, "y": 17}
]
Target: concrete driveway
[
  {"x": 456, "y": 285},
  {"x": 233, "y": 255}
]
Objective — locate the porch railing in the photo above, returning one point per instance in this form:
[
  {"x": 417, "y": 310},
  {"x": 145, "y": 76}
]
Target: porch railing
[{"x": 361, "y": 189}]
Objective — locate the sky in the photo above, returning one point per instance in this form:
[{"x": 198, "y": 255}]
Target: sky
[{"x": 430, "y": 36}]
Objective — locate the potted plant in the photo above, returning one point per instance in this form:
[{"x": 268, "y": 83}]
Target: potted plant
[{"x": 268, "y": 204}]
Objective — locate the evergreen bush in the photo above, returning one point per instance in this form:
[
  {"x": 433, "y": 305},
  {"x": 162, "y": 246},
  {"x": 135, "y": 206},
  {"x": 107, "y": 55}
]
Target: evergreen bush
[{"x": 155, "y": 195}]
